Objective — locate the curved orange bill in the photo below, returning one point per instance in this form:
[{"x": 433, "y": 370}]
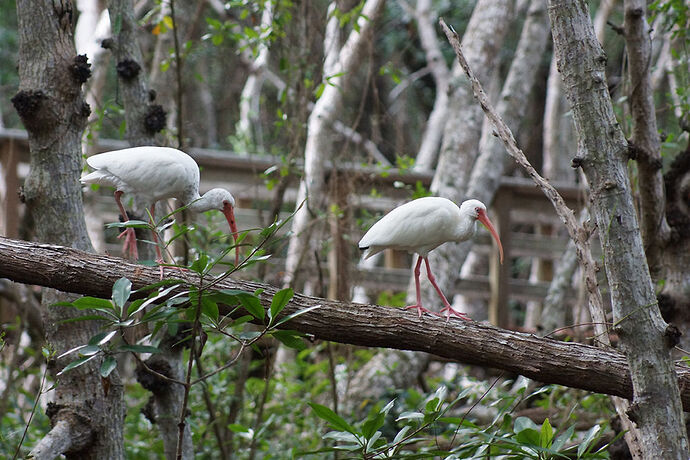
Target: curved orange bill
[
  {"x": 230, "y": 216},
  {"x": 484, "y": 219}
]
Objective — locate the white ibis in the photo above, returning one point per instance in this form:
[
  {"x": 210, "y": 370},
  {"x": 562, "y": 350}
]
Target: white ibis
[
  {"x": 420, "y": 226},
  {"x": 151, "y": 174}
]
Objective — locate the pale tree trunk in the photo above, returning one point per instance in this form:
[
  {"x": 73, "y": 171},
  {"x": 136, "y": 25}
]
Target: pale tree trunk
[
  {"x": 431, "y": 138},
  {"x": 645, "y": 139},
  {"x": 248, "y": 127},
  {"x": 311, "y": 197},
  {"x": 644, "y": 337},
  {"x": 87, "y": 420}
]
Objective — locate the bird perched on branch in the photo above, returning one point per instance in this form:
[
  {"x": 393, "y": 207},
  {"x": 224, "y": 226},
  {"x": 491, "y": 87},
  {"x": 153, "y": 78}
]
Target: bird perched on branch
[
  {"x": 420, "y": 226},
  {"x": 151, "y": 174}
]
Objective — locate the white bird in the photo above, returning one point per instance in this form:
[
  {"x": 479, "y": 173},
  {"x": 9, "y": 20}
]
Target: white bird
[
  {"x": 151, "y": 174},
  {"x": 420, "y": 226}
]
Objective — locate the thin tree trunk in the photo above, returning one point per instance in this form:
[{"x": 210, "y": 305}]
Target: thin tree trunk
[
  {"x": 644, "y": 337},
  {"x": 248, "y": 128},
  {"x": 143, "y": 118},
  {"x": 645, "y": 138},
  {"x": 87, "y": 420}
]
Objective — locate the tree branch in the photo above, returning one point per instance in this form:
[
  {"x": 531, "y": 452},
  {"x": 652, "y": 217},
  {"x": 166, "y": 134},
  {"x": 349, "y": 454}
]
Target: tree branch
[{"x": 545, "y": 360}]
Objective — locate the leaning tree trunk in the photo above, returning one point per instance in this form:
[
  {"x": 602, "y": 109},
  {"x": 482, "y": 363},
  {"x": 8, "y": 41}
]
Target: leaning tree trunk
[
  {"x": 87, "y": 414},
  {"x": 312, "y": 187},
  {"x": 644, "y": 337},
  {"x": 482, "y": 42}
]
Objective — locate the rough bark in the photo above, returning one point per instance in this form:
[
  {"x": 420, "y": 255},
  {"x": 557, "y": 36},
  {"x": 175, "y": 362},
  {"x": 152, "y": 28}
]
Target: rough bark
[
  {"x": 645, "y": 338},
  {"x": 318, "y": 144},
  {"x": 143, "y": 117},
  {"x": 572, "y": 364},
  {"x": 645, "y": 138},
  {"x": 86, "y": 419}
]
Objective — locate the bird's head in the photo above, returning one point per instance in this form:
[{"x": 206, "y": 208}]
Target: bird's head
[
  {"x": 476, "y": 210},
  {"x": 222, "y": 200}
]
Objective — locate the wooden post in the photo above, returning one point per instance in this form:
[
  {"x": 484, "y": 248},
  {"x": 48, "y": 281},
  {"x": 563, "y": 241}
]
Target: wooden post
[
  {"x": 339, "y": 255},
  {"x": 499, "y": 274},
  {"x": 9, "y": 201}
]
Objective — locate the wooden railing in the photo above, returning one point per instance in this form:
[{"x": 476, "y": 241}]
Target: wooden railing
[{"x": 524, "y": 218}]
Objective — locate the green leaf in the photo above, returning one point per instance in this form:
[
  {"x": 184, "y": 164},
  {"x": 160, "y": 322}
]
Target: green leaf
[
  {"x": 200, "y": 264},
  {"x": 331, "y": 417},
  {"x": 138, "y": 349},
  {"x": 524, "y": 423},
  {"x": 94, "y": 303},
  {"x": 209, "y": 308},
  {"x": 102, "y": 338},
  {"x": 278, "y": 303},
  {"x": 89, "y": 350},
  {"x": 108, "y": 365},
  {"x": 252, "y": 304},
  {"x": 560, "y": 441},
  {"x": 546, "y": 435},
  {"x": 128, "y": 224},
  {"x": 528, "y": 436},
  {"x": 237, "y": 428},
  {"x": 373, "y": 424},
  {"x": 410, "y": 416},
  {"x": 296, "y": 314},
  {"x": 75, "y": 364},
  {"x": 121, "y": 291},
  {"x": 590, "y": 436},
  {"x": 290, "y": 338}
]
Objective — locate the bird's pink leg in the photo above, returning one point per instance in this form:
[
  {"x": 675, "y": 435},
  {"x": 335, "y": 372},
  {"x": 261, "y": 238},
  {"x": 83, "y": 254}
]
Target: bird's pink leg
[
  {"x": 129, "y": 235},
  {"x": 447, "y": 308},
  {"x": 418, "y": 306}
]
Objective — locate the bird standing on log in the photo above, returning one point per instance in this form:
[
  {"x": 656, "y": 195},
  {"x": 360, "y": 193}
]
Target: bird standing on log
[
  {"x": 151, "y": 174},
  {"x": 422, "y": 225}
]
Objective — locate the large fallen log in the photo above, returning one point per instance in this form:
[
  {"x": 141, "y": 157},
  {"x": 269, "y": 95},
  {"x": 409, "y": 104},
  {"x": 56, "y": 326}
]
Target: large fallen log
[{"x": 546, "y": 360}]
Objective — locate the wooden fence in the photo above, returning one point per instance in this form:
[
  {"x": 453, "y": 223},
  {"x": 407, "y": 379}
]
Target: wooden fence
[{"x": 525, "y": 220}]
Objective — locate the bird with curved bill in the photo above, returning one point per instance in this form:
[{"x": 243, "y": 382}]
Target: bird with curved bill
[
  {"x": 422, "y": 225},
  {"x": 150, "y": 174}
]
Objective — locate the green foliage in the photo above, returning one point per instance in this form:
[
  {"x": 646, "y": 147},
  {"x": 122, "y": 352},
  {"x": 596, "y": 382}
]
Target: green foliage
[{"x": 432, "y": 429}]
